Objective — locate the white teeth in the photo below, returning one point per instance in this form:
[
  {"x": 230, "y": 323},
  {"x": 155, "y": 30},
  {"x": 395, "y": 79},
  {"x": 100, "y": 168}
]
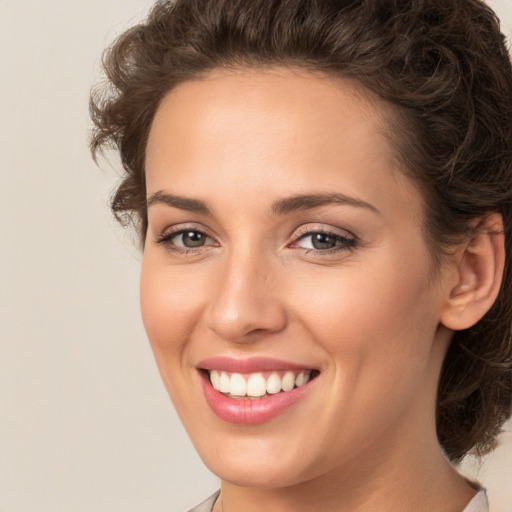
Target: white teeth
[
  {"x": 237, "y": 385},
  {"x": 255, "y": 385},
  {"x": 215, "y": 379},
  {"x": 224, "y": 382},
  {"x": 288, "y": 381},
  {"x": 273, "y": 384}
]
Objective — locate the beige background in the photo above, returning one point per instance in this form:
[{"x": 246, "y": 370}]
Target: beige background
[{"x": 85, "y": 424}]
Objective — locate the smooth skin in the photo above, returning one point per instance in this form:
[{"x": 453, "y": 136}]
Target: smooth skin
[{"x": 232, "y": 267}]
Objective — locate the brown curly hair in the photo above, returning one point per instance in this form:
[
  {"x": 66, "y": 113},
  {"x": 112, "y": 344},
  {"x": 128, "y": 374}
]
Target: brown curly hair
[{"x": 444, "y": 67}]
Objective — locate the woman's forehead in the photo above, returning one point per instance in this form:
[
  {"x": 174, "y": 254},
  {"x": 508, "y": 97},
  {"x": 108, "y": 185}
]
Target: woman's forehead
[
  {"x": 243, "y": 86},
  {"x": 275, "y": 133},
  {"x": 279, "y": 111}
]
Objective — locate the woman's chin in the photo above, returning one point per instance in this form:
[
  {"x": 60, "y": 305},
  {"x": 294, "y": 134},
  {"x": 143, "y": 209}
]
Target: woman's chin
[
  {"x": 257, "y": 472},
  {"x": 258, "y": 478}
]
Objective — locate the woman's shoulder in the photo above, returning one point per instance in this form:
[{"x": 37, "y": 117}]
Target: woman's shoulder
[{"x": 207, "y": 505}]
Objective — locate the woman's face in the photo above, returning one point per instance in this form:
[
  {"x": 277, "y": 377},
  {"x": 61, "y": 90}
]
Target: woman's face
[{"x": 285, "y": 251}]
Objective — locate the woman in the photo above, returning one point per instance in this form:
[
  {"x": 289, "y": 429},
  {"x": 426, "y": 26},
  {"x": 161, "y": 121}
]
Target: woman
[{"x": 323, "y": 190}]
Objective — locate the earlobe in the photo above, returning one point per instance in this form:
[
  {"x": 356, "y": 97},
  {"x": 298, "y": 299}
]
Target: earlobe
[{"x": 480, "y": 265}]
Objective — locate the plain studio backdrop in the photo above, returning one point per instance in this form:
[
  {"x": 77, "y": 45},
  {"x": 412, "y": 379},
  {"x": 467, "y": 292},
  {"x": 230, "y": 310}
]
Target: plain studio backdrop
[{"x": 85, "y": 423}]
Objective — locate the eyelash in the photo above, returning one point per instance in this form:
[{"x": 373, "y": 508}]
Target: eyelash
[{"x": 343, "y": 243}]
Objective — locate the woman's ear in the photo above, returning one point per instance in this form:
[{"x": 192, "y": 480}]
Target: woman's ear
[{"x": 479, "y": 271}]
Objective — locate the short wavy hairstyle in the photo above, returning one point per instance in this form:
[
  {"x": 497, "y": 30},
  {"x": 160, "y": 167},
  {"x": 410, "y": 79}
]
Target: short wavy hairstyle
[{"x": 443, "y": 66}]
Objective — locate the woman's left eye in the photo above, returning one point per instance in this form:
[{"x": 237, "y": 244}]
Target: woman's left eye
[{"x": 323, "y": 241}]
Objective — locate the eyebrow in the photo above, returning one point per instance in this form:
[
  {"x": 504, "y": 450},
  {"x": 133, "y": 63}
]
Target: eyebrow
[
  {"x": 183, "y": 203},
  {"x": 309, "y": 201},
  {"x": 281, "y": 207}
]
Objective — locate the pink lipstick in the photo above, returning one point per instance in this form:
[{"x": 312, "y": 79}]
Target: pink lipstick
[{"x": 254, "y": 390}]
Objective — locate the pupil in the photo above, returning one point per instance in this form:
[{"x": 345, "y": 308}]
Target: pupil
[
  {"x": 193, "y": 239},
  {"x": 323, "y": 241}
]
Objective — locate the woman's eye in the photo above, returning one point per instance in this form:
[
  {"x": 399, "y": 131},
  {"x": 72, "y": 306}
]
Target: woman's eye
[
  {"x": 185, "y": 239},
  {"x": 190, "y": 239},
  {"x": 323, "y": 241}
]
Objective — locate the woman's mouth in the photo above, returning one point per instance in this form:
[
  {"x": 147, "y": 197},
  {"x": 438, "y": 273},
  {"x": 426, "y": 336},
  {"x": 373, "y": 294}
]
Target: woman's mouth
[{"x": 253, "y": 391}]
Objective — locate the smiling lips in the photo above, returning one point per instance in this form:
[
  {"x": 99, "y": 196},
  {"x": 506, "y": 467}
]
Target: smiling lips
[{"x": 260, "y": 389}]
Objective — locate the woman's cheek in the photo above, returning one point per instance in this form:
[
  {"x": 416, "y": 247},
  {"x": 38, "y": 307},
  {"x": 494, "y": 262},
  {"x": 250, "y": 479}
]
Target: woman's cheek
[{"x": 169, "y": 304}]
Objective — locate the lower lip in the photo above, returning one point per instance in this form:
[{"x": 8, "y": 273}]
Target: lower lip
[{"x": 251, "y": 412}]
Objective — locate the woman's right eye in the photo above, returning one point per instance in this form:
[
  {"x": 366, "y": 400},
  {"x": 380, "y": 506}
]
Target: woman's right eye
[
  {"x": 190, "y": 239},
  {"x": 185, "y": 240}
]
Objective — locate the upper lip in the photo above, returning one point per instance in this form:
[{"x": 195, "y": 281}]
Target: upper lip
[{"x": 248, "y": 365}]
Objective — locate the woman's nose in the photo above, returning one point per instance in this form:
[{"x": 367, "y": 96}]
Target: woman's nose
[{"x": 246, "y": 302}]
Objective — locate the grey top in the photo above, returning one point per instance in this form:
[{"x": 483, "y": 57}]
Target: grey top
[
  {"x": 479, "y": 503},
  {"x": 207, "y": 505}
]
